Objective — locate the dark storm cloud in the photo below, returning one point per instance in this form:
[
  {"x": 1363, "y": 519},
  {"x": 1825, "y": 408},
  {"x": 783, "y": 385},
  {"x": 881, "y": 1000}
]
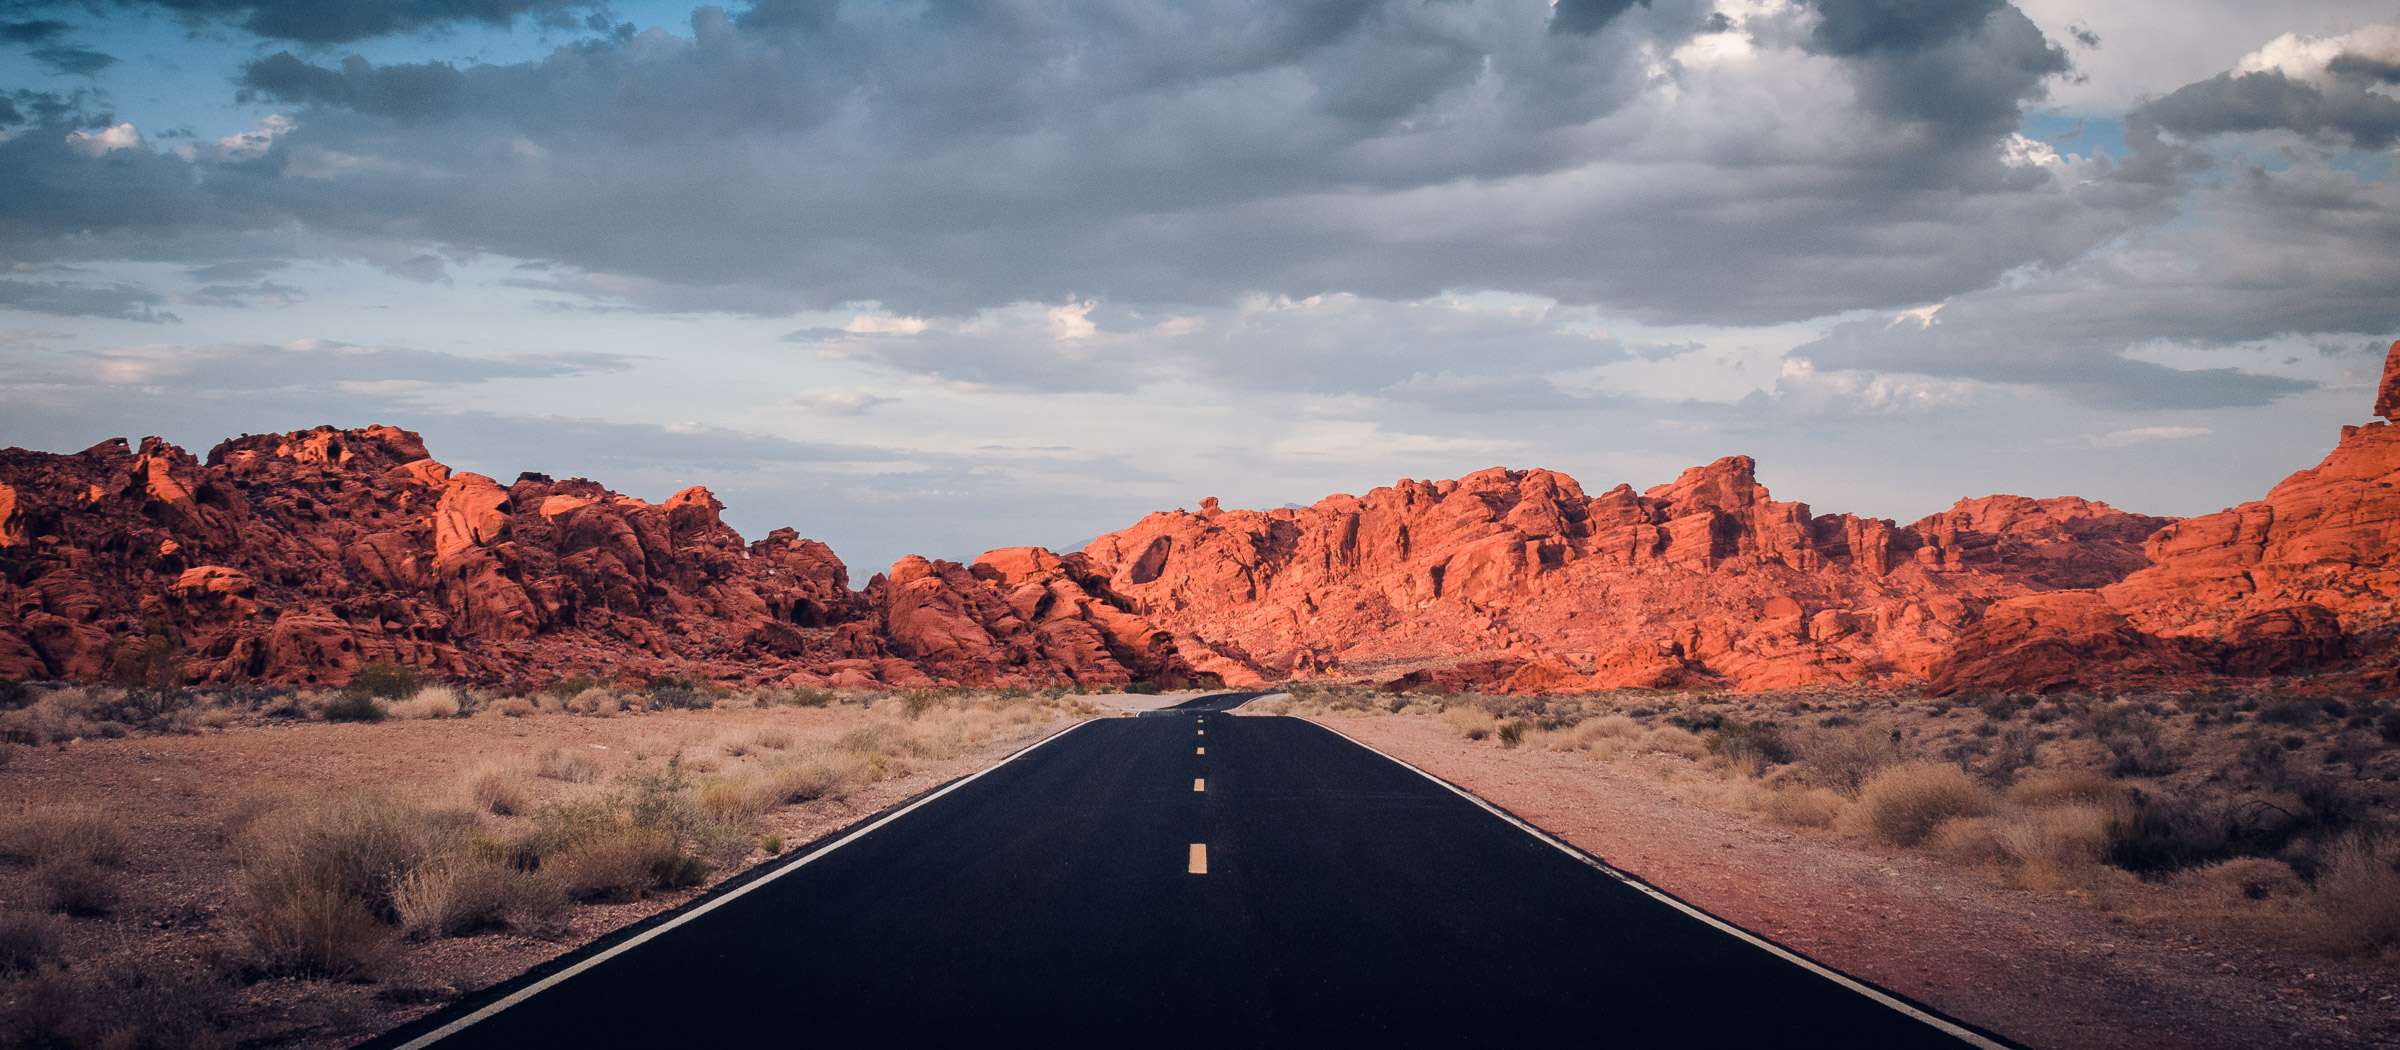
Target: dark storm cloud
[
  {"x": 122, "y": 302},
  {"x": 2272, "y": 101},
  {"x": 948, "y": 159},
  {"x": 410, "y": 91},
  {"x": 1588, "y": 16},
  {"x": 33, "y": 32},
  {"x": 341, "y": 21},
  {"x": 68, "y": 60},
  {"x": 1961, "y": 67}
]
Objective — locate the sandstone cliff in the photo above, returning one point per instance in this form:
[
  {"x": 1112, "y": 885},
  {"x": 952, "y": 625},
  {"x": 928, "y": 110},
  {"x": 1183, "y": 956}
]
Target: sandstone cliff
[
  {"x": 2305, "y": 579},
  {"x": 298, "y": 557},
  {"x": 1517, "y": 580}
]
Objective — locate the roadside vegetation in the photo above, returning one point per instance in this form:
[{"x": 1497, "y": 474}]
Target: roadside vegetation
[
  {"x": 310, "y": 914},
  {"x": 2272, "y": 811}
]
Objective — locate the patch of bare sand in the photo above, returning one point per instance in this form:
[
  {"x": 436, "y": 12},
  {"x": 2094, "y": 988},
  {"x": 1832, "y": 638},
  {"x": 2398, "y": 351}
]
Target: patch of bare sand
[
  {"x": 172, "y": 794},
  {"x": 2038, "y": 969}
]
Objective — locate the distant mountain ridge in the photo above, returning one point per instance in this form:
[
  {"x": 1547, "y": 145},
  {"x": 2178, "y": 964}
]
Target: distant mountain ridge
[{"x": 298, "y": 557}]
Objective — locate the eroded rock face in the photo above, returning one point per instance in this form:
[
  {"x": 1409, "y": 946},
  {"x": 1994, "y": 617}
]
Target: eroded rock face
[
  {"x": 299, "y": 557},
  {"x": 1519, "y": 581},
  {"x": 2305, "y": 579}
]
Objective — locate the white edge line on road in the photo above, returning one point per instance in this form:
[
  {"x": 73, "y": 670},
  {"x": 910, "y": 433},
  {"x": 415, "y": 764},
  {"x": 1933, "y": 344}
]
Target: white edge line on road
[
  {"x": 528, "y": 992},
  {"x": 1945, "y": 1025}
]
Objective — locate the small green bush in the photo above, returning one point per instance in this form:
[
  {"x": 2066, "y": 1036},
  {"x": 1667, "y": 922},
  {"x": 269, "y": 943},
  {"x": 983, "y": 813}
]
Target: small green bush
[
  {"x": 772, "y": 842},
  {"x": 354, "y": 707},
  {"x": 1143, "y": 688},
  {"x": 386, "y": 680}
]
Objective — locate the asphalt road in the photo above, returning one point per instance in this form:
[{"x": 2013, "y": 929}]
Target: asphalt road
[{"x": 1346, "y": 900}]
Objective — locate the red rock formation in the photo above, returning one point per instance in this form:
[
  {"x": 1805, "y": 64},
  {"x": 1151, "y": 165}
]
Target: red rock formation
[
  {"x": 1517, "y": 580},
  {"x": 298, "y": 557},
  {"x": 2306, "y": 578}
]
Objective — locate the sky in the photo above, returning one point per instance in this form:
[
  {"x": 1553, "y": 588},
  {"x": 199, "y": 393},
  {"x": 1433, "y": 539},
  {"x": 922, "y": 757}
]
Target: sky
[{"x": 936, "y": 277}]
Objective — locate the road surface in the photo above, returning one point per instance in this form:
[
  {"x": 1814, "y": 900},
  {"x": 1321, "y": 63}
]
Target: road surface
[{"x": 1197, "y": 879}]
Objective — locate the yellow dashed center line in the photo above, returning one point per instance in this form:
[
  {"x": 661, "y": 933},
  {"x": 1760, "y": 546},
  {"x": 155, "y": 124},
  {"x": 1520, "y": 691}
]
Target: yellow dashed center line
[
  {"x": 1199, "y": 750},
  {"x": 1199, "y": 865},
  {"x": 1200, "y": 785}
]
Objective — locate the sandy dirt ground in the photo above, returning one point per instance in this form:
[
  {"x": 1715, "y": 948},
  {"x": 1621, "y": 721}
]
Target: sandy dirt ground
[
  {"x": 2041, "y": 970},
  {"x": 179, "y": 885}
]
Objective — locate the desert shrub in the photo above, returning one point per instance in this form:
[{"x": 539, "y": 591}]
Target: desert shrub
[
  {"x": 2154, "y": 838},
  {"x": 2388, "y": 727},
  {"x": 727, "y": 801},
  {"x": 1845, "y": 758},
  {"x": 1512, "y": 732},
  {"x": 2293, "y": 712},
  {"x": 2068, "y": 787},
  {"x": 2354, "y": 907},
  {"x": 128, "y": 1004},
  {"x": 1474, "y": 723},
  {"x": 512, "y": 707},
  {"x": 570, "y": 686},
  {"x": 2231, "y": 882},
  {"x": 14, "y": 693},
  {"x": 1671, "y": 740},
  {"x": 74, "y": 886},
  {"x": 354, "y": 707},
  {"x": 616, "y": 865},
  {"x": 385, "y": 680},
  {"x": 771, "y": 842},
  {"x": 433, "y": 701},
  {"x": 27, "y": 940},
  {"x": 804, "y": 697},
  {"x": 308, "y": 927},
  {"x": 1142, "y": 688},
  {"x": 678, "y": 698},
  {"x": 772, "y": 738},
  {"x": 1808, "y": 807},
  {"x": 574, "y": 767},
  {"x": 464, "y": 895},
  {"x": 1903, "y": 804},
  {"x": 2016, "y": 749},
  {"x": 321, "y": 877},
  {"x": 816, "y": 776},
  {"x": 498, "y": 791},
  {"x": 1748, "y": 748},
  {"x": 38, "y": 833}
]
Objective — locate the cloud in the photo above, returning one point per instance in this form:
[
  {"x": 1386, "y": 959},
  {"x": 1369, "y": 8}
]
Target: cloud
[
  {"x": 320, "y": 22},
  {"x": 304, "y": 364},
  {"x": 123, "y": 302},
  {"x": 36, "y": 31},
  {"x": 67, "y": 60},
  {"x": 839, "y": 403},
  {"x": 2334, "y": 87},
  {"x": 944, "y": 161},
  {"x": 2140, "y": 435}
]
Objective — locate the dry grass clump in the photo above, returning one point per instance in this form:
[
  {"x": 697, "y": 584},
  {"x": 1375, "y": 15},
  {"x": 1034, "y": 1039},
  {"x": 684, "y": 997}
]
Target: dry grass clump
[
  {"x": 1904, "y": 804},
  {"x": 71, "y": 850},
  {"x": 461, "y": 895},
  {"x": 2354, "y": 907},
  {"x": 1800, "y": 806},
  {"x": 33, "y": 833},
  {"x": 510, "y": 707},
  {"x": 127, "y": 1004},
  {"x": 433, "y": 701},
  {"x": 573, "y": 767},
  {"x": 1474, "y": 723},
  {"x": 772, "y": 738},
  {"x": 499, "y": 790},
  {"x": 1845, "y": 758},
  {"x": 321, "y": 878},
  {"x": 27, "y": 940},
  {"x": 2239, "y": 882}
]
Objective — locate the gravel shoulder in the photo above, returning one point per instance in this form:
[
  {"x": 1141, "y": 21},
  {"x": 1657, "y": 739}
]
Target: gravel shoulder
[{"x": 2040, "y": 969}]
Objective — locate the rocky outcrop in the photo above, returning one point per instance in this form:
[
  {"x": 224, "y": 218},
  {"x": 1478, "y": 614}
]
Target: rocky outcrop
[
  {"x": 299, "y": 557},
  {"x": 1519, "y": 581},
  {"x": 2304, "y": 579}
]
